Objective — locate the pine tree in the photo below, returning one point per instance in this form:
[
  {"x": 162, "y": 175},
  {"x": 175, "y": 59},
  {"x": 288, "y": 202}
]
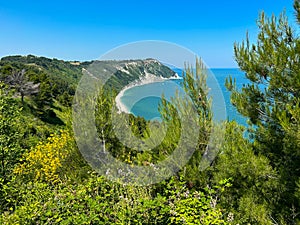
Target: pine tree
[
  {"x": 10, "y": 136},
  {"x": 20, "y": 83},
  {"x": 271, "y": 102}
]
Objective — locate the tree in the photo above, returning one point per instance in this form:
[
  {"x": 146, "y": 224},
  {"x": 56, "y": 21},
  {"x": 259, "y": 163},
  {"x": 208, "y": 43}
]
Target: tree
[
  {"x": 297, "y": 9},
  {"x": 253, "y": 179},
  {"x": 45, "y": 96},
  {"x": 20, "y": 83},
  {"x": 10, "y": 150},
  {"x": 9, "y": 135},
  {"x": 271, "y": 102}
]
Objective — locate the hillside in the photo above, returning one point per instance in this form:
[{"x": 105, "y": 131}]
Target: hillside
[
  {"x": 58, "y": 78},
  {"x": 124, "y": 72},
  {"x": 45, "y": 87}
]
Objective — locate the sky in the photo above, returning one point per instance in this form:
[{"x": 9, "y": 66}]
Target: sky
[{"x": 85, "y": 30}]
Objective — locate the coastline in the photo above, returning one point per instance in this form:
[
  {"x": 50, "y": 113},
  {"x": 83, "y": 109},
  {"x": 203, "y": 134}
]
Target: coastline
[{"x": 147, "y": 79}]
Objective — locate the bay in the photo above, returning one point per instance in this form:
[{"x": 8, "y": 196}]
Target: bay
[{"x": 143, "y": 100}]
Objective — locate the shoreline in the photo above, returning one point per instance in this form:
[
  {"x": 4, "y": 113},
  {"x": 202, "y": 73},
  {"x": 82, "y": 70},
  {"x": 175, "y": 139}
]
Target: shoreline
[{"x": 147, "y": 79}]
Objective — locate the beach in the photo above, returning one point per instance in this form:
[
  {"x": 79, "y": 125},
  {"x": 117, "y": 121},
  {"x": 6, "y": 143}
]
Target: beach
[
  {"x": 147, "y": 79},
  {"x": 126, "y": 100}
]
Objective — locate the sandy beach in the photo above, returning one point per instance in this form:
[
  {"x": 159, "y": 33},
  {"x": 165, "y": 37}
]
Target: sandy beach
[{"x": 147, "y": 79}]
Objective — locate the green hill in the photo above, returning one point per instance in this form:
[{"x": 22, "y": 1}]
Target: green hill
[{"x": 57, "y": 80}]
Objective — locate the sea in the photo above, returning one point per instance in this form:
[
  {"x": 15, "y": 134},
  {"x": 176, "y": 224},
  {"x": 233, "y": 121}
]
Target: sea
[{"x": 144, "y": 100}]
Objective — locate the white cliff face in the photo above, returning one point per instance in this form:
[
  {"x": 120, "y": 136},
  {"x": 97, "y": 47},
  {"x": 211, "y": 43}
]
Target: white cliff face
[
  {"x": 145, "y": 78},
  {"x": 126, "y": 74},
  {"x": 122, "y": 69}
]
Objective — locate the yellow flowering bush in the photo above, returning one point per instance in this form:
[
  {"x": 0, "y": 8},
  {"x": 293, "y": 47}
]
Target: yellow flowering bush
[{"x": 44, "y": 160}]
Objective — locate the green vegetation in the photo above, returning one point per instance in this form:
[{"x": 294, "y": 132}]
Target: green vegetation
[
  {"x": 255, "y": 179},
  {"x": 49, "y": 182},
  {"x": 127, "y": 71},
  {"x": 274, "y": 107}
]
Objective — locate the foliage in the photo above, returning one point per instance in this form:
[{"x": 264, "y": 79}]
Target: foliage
[
  {"x": 297, "y": 9},
  {"x": 10, "y": 149},
  {"x": 52, "y": 184},
  {"x": 44, "y": 161},
  {"x": 194, "y": 82},
  {"x": 56, "y": 77},
  {"x": 56, "y": 69},
  {"x": 253, "y": 179},
  {"x": 127, "y": 71},
  {"x": 98, "y": 201},
  {"x": 197, "y": 207},
  {"x": 10, "y": 135},
  {"x": 19, "y": 82},
  {"x": 271, "y": 102}
]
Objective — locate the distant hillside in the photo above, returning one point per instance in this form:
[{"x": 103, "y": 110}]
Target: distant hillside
[
  {"x": 58, "y": 78},
  {"x": 127, "y": 71},
  {"x": 69, "y": 71}
]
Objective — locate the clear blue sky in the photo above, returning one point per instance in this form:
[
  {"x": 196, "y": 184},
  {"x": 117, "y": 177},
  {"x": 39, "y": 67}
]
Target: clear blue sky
[{"x": 84, "y": 30}]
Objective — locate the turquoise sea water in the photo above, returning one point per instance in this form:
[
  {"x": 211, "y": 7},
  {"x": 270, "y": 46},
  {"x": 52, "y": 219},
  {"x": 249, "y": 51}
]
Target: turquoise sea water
[{"x": 143, "y": 100}]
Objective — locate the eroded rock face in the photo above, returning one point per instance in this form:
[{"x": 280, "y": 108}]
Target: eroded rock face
[{"x": 124, "y": 72}]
